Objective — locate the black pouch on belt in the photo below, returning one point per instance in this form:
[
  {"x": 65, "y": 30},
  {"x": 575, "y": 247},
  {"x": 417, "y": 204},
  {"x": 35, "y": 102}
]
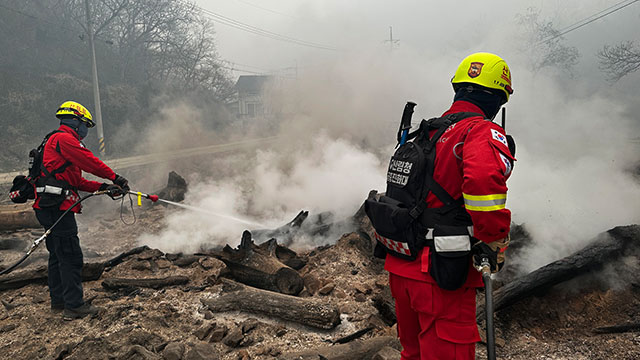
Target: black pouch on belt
[
  {"x": 450, "y": 256},
  {"x": 394, "y": 227},
  {"x": 52, "y": 194}
]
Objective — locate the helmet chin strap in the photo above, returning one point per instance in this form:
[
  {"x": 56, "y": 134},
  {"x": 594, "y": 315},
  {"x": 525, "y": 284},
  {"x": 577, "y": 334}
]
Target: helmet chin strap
[{"x": 77, "y": 125}]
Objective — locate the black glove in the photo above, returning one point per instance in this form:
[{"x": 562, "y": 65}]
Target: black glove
[
  {"x": 114, "y": 191},
  {"x": 122, "y": 182},
  {"x": 493, "y": 251}
]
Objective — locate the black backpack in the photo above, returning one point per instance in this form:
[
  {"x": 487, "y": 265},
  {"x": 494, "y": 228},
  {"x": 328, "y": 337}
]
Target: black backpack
[
  {"x": 403, "y": 224},
  {"x": 24, "y": 187}
]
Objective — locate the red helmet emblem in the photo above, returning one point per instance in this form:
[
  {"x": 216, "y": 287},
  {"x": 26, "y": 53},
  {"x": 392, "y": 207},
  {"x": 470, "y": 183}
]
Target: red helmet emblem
[{"x": 474, "y": 69}]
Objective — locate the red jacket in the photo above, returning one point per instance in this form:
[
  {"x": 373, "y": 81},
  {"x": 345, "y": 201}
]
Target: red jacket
[
  {"x": 81, "y": 159},
  {"x": 473, "y": 161}
]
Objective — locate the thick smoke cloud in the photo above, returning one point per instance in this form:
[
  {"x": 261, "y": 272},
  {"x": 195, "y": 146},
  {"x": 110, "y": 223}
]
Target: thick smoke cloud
[{"x": 574, "y": 134}]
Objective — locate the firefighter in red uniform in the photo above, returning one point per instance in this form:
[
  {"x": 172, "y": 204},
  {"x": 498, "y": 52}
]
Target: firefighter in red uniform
[
  {"x": 473, "y": 162},
  {"x": 63, "y": 160}
]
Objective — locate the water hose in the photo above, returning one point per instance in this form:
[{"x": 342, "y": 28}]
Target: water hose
[
  {"x": 39, "y": 240},
  {"x": 485, "y": 268}
]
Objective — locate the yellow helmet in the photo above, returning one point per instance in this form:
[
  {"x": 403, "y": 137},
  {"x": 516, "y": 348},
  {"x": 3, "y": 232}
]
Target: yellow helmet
[
  {"x": 77, "y": 110},
  {"x": 484, "y": 69}
]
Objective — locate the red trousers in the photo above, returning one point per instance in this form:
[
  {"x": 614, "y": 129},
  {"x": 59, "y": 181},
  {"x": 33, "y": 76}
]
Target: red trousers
[{"x": 434, "y": 324}]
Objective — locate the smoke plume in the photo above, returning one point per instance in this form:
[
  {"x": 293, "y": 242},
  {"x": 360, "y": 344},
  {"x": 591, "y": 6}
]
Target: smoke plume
[{"x": 337, "y": 131}]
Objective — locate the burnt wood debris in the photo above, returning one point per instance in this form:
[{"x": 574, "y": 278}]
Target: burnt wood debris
[
  {"x": 261, "y": 267},
  {"x": 310, "y": 312},
  {"x": 263, "y": 277}
]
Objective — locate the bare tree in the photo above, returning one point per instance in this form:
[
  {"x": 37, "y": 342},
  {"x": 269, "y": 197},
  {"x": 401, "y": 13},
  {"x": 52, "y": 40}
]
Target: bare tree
[
  {"x": 544, "y": 44},
  {"x": 619, "y": 60}
]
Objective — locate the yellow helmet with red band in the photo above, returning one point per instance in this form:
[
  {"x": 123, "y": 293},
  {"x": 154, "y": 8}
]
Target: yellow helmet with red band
[
  {"x": 484, "y": 69},
  {"x": 75, "y": 109}
]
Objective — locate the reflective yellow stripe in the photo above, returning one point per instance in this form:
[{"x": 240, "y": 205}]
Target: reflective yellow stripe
[
  {"x": 484, "y": 197},
  {"x": 484, "y": 208},
  {"x": 484, "y": 202}
]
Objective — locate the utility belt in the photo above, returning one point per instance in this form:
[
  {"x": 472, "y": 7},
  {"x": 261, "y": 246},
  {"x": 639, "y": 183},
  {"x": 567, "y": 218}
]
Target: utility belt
[
  {"x": 53, "y": 192},
  {"x": 447, "y": 231}
]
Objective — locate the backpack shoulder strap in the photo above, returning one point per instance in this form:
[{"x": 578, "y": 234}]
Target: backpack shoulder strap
[
  {"x": 441, "y": 124},
  {"x": 58, "y": 170}
]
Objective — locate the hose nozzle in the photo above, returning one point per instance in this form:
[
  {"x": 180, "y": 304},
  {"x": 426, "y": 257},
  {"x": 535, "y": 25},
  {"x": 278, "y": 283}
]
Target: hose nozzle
[
  {"x": 140, "y": 195},
  {"x": 484, "y": 267}
]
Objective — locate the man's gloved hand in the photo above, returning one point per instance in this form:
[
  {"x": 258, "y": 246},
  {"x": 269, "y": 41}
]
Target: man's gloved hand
[
  {"x": 113, "y": 190},
  {"x": 122, "y": 182},
  {"x": 493, "y": 251}
]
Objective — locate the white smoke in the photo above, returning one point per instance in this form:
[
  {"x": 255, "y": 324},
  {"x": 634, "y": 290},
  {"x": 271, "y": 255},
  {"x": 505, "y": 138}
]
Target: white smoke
[
  {"x": 324, "y": 175},
  {"x": 573, "y": 134},
  {"x": 570, "y": 182}
]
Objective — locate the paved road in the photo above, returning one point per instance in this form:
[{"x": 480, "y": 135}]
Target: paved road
[{"x": 127, "y": 162}]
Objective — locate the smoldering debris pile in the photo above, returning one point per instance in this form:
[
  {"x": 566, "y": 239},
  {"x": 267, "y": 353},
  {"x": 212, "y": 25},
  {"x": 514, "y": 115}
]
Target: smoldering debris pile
[{"x": 263, "y": 300}]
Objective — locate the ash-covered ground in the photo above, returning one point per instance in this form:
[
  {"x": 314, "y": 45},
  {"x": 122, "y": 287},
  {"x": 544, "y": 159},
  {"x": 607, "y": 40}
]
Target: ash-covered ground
[{"x": 173, "y": 323}]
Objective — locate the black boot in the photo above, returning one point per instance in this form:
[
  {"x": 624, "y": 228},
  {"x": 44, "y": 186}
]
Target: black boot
[{"x": 80, "y": 312}]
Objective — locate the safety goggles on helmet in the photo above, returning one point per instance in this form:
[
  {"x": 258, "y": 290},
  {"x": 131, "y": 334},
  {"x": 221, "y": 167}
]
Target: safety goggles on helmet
[{"x": 77, "y": 110}]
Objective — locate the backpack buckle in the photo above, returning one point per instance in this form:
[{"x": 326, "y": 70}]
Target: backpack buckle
[{"x": 415, "y": 212}]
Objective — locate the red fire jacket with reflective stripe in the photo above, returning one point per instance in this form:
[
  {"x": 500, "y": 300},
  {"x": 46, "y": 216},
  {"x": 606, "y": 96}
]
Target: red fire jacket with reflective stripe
[
  {"x": 473, "y": 161},
  {"x": 81, "y": 159}
]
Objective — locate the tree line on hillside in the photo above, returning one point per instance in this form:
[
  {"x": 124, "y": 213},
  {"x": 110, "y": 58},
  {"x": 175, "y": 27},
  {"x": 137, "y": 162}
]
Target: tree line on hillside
[{"x": 146, "y": 50}]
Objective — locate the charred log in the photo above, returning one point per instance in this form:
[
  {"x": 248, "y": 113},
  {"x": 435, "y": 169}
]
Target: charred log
[
  {"x": 18, "y": 279},
  {"x": 356, "y": 335},
  {"x": 14, "y": 244},
  {"x": 605, "y": 249},
  {"x": 284, "y": 254},
  {"x": 155, "y": 283},
  {"x": 175, "y": 189},
  {"x": 285, "y": 233},
  {"x": 259, "y": 266},
  {"x": 620, "y": 328},
  {"x": 356, "y": 350},
  {"x": 120, "y": 258},
  {"x": 13, "y": 217},
  {"x": 310, "y": 312}
]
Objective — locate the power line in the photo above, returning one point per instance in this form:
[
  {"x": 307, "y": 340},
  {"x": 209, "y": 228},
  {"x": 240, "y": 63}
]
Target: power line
[
  {"x": 584, "y": 21},
  {"x": 258, "y": 31},
  {"x": 232, "y": 68},
  {"x": 265, "y": 9},
  {"x": 596, "y": 14},
  {"x": 245, "y": 65}
]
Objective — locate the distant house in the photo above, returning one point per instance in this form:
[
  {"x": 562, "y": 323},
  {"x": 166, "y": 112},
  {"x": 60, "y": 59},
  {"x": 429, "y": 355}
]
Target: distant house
[{"x": 251, "y": 101}]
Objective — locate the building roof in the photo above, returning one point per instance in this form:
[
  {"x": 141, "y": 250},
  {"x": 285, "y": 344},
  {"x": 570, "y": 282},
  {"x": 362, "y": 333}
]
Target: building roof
[{"x": 251, "y": 83}]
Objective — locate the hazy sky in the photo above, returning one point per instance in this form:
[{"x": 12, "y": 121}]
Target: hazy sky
[{"x": 434, "y": 28}]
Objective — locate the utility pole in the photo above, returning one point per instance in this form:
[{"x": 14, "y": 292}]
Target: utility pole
[
  {"x": 391, "y": 40},
  {"x": 94, "y": 70}
]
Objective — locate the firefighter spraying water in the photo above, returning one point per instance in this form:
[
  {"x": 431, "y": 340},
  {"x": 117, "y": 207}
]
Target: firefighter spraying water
[
  {"x": 117, "y": 195},
  {"x": 54, "y": 182}
]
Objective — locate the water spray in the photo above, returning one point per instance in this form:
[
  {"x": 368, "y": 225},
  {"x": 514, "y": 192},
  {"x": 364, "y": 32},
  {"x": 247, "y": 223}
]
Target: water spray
[
  {"x": 155, "y": 198},
  {"x": 223, "y": 216}
]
